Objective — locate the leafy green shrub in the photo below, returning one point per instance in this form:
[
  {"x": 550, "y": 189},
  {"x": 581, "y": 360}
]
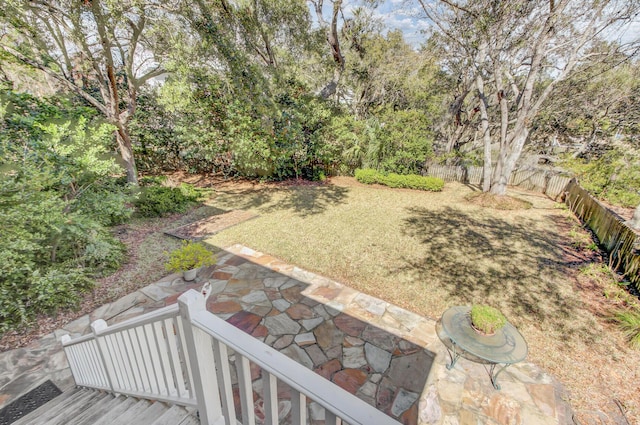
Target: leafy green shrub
[
  {"x": 189, "y": 256},
  {"x": 58, "y": 191},
  {"x": 49, "y": 255},
  {"x": 613, "y": 177},
  {"x": 411, "y": 181},
  {"x": 156, "y": 201},
  {"x": 108, "y": 207},
  {"x": 367, "y": 176},
  {"x": 487, "y": 319}
]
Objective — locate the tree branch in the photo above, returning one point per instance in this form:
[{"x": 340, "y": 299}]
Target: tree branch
[{"x": 93, "y": 101}]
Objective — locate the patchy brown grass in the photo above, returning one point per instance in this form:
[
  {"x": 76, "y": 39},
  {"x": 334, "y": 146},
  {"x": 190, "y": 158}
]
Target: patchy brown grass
[{"x": 428, "y": 251}]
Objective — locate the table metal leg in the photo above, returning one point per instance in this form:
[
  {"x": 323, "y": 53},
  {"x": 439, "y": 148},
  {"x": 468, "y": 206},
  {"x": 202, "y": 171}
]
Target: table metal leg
[
  {"x": 494, "y": 377},
  {"x": 454, "y": 357}
]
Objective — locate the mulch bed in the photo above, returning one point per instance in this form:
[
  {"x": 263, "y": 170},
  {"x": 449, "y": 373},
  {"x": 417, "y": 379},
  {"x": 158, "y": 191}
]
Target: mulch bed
[{"x": 206, "y": 227}]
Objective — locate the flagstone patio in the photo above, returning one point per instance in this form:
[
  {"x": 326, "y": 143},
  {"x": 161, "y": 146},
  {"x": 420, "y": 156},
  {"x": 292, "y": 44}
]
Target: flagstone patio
[{"x": 385, "y": 355}]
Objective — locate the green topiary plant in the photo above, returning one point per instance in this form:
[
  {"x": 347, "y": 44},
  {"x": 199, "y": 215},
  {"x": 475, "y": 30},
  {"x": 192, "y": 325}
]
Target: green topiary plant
[
  {"x": 486, "y": 319},
  {"x": 189, "y": 256}
]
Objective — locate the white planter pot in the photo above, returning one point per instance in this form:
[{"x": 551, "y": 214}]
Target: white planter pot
[{"x": 190, "y": 275}]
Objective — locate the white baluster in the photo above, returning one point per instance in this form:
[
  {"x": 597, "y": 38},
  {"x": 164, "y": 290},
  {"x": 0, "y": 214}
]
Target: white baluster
[
  {"x": 224, "y": 380},
  {"x": 116, "y": 358},
  {"x": 331, "y": 419},
  {"x": 298, "y": 408},
  {"x": 246, "y": 390},
  {"x": 174, "y": 357},
  {"x": 84, "y": 355},
  {"x": 270, "y": 398},
  {"x": 184, "y": 359},
  {"x": 154, "y": 360},
  {"x": 129, "y": 341},
  {"x": 96, "y": 327},
  {"x": 145, "y": 360},
  {"x": 125, "y": 362},
  {"x": 160, "y": 337}
]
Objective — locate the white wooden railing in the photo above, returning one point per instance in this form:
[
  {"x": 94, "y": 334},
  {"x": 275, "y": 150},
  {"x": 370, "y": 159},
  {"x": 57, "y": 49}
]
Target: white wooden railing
[
  {"x": 139, "y": 357},
  {"x": 185, "y": 355}
]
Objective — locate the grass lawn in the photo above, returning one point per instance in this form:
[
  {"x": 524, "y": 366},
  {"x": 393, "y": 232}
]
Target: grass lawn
[{"x": 428, "y": 251}]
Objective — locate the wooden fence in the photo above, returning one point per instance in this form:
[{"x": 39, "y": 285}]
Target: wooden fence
[
  {"x": 620, "y": 241},
  {"x": 548, "y": 182}
]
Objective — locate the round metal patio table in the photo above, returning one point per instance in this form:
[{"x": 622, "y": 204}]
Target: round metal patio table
[{"x": 505, "y": 347}]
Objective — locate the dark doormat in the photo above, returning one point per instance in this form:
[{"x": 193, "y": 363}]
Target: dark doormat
[{"x": 28, "y": 402}]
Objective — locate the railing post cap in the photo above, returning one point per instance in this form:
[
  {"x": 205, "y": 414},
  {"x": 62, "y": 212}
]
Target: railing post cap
[
  {"x": 191, "y": 300},
  {"x": 98, "y": 325}
]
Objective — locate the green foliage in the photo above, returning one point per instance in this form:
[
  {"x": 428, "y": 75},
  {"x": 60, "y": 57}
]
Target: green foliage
[
  {"x": 629, "y": 321},
  {"x": 487, "y": 319},
  {"x": 213, "y": 129},
  {"x": 189, "y": 256},
  {"x": 411, "y": 181},
  {"x": 408, "y": 139},
  {"x": 613, "y": 177},
  {"x": 581, "y": 238},
  {"x": 391, "y": 141},
  {"x": 156, "y": 201},
  {"x": 346, "y": 136},
  {"x": 57, "y": 194},
  {"x": 367, "y": 176}
]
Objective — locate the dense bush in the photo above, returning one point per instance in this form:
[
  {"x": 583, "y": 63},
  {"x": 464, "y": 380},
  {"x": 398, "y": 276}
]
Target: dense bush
[
  {"x": 196, "y": 124},
  {"x": 156, "y": 201},
  {"x": 57, "y": 194},
  {"x": 411, "y": 181},
  {"x": 613, "y": 176},
  {"x": 367, "y": 176},
  {"x": 391, "y": 141}
]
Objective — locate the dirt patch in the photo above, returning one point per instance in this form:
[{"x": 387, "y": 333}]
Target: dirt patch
[
  {"x": 209, "y": 226},
  {"x": 498, "y": 202}
]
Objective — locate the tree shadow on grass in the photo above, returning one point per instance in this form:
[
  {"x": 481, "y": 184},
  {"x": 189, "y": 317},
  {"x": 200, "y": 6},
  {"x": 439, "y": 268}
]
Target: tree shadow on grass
[
  {"x": 517, "y": 267},
  {"x": 302, "y": 200}
]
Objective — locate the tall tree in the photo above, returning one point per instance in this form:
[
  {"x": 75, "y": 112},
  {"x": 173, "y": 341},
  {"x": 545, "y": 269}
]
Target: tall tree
[
  {"x": 384, "y": 71},
  {"x": 333, "y": 40},
  {"x": 98, "y": 49},
  {"x": 517, "y": 53}
]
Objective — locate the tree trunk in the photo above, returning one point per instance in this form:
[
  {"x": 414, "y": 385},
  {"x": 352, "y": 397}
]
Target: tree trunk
[
  {"x": 503, "y": 173},
  {"x": 334, "y": 43},
  {"x": 635, "y": 220},
  {"x": 486, "y": 135},
  {"x": 126, "y": 152}
]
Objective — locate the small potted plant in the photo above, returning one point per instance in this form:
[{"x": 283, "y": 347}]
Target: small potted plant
[
  {"x": 189, "y": 258},
  {"x": 486, "y": 320}
]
